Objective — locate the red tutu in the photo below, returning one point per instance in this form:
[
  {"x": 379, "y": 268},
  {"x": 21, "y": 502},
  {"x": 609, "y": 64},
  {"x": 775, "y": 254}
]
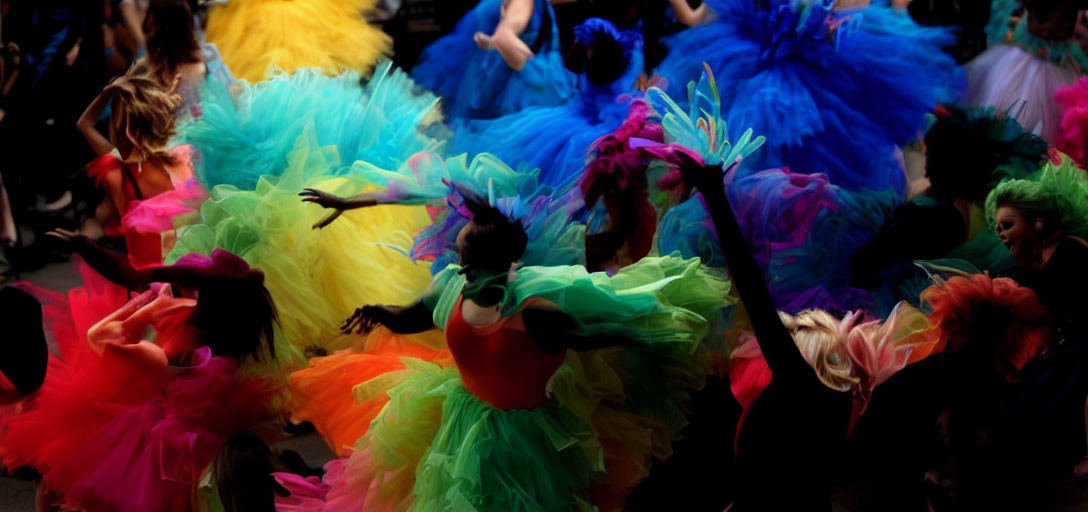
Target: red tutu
[
  {"x": 964, "y": 305},
  {"x": 108, "y": 434}
]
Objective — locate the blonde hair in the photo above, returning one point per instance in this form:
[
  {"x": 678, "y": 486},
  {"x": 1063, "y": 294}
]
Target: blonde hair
[
  {"x": 146, "y": 111},
  {"x": 821, "y": 338}
]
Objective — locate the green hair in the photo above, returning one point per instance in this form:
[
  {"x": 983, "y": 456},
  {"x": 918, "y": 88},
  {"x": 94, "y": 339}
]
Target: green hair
[{"x": 1057, "y": 193}]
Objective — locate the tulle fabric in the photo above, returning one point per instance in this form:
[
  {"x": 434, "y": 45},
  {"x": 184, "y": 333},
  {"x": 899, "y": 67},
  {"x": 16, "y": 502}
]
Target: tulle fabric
[
  {"x": 1073, "y": 134},
  {"x": 477, "y": 84},
  {"x": 549, "y": 216},
  {"x": 961, "y": 309},
  {"x": 1010, "y": 78},
  {"x": 147, "y": 224},
  {"x": 316, "y": 277},
  {"x": 322, "y": 393},
  {"x": 109, "y": 435},
  {"x": 257, "y": 37},
  {"x": 834, "y": 91},
  {"x": 436, "y": 446},
  {"x": 241, "y": 137},
  {"x": 556, "y": 139}
]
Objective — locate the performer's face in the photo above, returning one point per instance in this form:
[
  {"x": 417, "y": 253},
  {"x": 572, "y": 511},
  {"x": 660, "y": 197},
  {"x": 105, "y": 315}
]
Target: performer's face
[{"x": 1020, "y": 234}]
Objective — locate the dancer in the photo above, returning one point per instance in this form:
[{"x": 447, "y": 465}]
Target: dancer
[
  {"x": 609, "y": 61},
  {"x": 502, "y": 57},
  {"x": 505, "y": 391},
  {"x": 1023, "y": 76},
  {"x": 118, "y": 410},
  {"x": 968, "y": 152},
  {"x": 136, "y": 164}
]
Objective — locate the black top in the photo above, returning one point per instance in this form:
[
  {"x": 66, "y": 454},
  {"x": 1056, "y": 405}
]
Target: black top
[{"x": 794, "y": 430}]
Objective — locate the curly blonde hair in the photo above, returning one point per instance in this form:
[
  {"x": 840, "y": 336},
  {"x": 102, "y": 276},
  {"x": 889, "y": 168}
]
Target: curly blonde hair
[
  {"x": 145, "y": 111},
  {"x": 821, "y": 338}
]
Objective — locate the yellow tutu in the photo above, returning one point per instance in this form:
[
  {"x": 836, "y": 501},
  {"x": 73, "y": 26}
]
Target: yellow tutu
[
  {"x": 316, "y": 277},
  {"x": 255, "y": 37}
]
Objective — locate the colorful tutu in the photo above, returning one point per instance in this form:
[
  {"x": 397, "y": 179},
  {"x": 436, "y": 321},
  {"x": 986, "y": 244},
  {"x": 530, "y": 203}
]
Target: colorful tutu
[
  {"x": 106, "y": 434},
  {"x": 437, "y": 446},
  {"x": 1073, "y": 134},
  {"x": 1023, "y": 77},
  {"x": 322, "y": 394},
  {"x": 316, "y": 277},
  {"x": 258, "y": 37},
  {"x": 834, "y": 91},
  {"x": 558, "y": 139},
  {"x": 478, "y": 84},
  {"x": 239, "y": 139}
]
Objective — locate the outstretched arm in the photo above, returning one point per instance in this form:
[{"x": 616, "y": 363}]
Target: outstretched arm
[
  {"x": 554, "y": 331},
  {"x": 410, "y": 319},
  {"x": 775, "y": 341}
]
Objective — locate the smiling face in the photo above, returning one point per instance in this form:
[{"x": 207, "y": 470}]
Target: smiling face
[{"x": 1021, "y": 234}]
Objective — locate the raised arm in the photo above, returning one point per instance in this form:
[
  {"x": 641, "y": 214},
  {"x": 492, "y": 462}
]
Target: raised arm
[
  {"x": 86, "y": 125},
  {"x": 775, "y": 341}
]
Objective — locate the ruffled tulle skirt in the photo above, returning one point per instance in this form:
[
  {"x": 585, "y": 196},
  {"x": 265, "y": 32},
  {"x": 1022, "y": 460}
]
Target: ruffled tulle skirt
[
  {"x": 478, "y": 84},
  {"x": 1073, "y": 133},
  {"x": 257, "y": 37},
  {"x": 316, "y": 277},
  {"x": 1010, "y": 78},
  {"x": 323, "y": 395},
  {"x": 107, "y": 435},
  {"x": 244, "y": 135},
  {"x": 833, "y": 92},
  {"x": 557, "y": 140}
]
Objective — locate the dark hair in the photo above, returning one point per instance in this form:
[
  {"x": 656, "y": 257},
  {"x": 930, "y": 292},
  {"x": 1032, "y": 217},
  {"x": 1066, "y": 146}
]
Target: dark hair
[
  {"x": 24, "y": 355},
  {"x": 237, "y": 316},
  {"x": 603, "y": 59},
  {"x": 172, "y": 41},
  {"x": 495, "y": 242},
  {"x": 243, "y": 475},
  {"x": 969, "y": 151}
]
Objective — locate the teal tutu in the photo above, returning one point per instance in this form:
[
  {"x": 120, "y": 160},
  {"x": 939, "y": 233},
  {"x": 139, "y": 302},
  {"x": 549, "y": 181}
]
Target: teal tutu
[{"x": 239, "y": 139}]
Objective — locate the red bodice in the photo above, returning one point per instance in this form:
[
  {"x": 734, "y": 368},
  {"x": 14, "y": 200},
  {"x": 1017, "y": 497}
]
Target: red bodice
[{"x": 500, "y": 363}]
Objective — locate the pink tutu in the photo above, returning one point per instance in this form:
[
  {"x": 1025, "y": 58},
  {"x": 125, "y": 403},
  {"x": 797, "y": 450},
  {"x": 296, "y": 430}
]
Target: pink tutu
[
  {"x": 110, "y": 435},
  {"x": 1073, "y": 135}
]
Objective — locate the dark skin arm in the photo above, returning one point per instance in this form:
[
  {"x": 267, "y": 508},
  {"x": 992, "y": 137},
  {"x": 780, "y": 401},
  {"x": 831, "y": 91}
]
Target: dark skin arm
[
  {"x": 775, "y": 341},
  {"x": 117, "y": 268},
  {"x": 410, "y": 319},
  {"x": 556, "y": 331}
]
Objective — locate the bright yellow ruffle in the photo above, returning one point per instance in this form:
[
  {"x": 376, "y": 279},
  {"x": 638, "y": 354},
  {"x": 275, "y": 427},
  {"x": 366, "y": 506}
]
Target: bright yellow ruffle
[{"x": 255, "y": 37}]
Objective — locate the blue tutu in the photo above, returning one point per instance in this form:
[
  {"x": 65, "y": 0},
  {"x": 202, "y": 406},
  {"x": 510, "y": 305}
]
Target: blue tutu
[
  {"x": 239, "y": 139},
  {"x": 559, "y": 139},
  {"x": 835, "y": 92},
  {"x": 477, "y": 84}
]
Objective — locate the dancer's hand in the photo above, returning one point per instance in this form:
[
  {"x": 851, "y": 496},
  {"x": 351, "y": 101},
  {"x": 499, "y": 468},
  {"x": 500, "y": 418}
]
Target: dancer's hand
[
  {"x": 706, "y": 178},
  {"x": 325, "y": 200},
  {"x": 64, "y": 235},
  {"x": 484, "y": 41},
  {"x": 362, "y": 321}
]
